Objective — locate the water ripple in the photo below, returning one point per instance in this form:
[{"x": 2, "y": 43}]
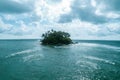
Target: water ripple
[
  {"x": 22, "y": 52},
  {"x": 34, "y": 57},
  {"x": 97, "y": 45},
  {"x": 87, "y": 64},
  {"x": 99, "y": 59}
]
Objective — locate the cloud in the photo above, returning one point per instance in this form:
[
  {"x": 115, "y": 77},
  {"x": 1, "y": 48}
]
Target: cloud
[
  {"x": 53, "y": 1},
  {"x": 83, "y": 19},
  {"x": 114, "y": 27},
  {"x": 10, "y": 6},
  {"x": 93, "y": 11},
  {"x": 110, "y": 5},
  {"x": 49, "y": 11},
  {"x": 83, "y": 11},
  {"x": 20, "y": 29},
  {"x": 4, "y": 27}
]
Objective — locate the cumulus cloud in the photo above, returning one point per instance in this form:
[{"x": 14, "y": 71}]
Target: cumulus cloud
[
  {"x": 110, "y": 5},
  {"x": 83, "y": 19},
  {"x": 4, "y": 27},
  {"x": 114, "y": 27},
  {"x": 11, "y": 6},
  {"x": 90, "y": 11},
  {"x": 49, "y": 11}
]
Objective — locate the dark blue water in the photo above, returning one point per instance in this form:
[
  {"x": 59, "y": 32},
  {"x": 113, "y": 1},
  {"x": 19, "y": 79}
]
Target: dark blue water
[{"x": 85, "y": 60}]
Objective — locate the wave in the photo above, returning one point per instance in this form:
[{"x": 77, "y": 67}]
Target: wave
[
  {"x": 61, "y": 46},
  {"x": 85, "y": 44},
  {"x": 87, "y": 63},
  {"x": 22, "y": 52},
  {"x": 97, "y": 45},
  {"x": 99, "y": 59},
  {"x": 32, "y": 57}
]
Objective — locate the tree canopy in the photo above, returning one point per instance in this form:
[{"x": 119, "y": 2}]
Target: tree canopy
[{"x": 53, "y": 37}]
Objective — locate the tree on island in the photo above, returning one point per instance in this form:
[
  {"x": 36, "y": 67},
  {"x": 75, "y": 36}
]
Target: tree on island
[{"x": 53, "y": 37}]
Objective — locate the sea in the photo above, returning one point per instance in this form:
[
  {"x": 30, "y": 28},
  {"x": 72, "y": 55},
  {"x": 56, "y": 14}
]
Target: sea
[{"x": 84, "y": 60}]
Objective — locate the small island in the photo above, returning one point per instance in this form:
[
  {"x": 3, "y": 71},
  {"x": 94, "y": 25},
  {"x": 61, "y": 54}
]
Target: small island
[{"x": 53, "y": 37}]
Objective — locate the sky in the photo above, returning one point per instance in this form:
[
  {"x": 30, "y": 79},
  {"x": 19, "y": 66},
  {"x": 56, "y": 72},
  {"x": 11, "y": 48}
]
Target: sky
[{"x": 83, "y": 19}]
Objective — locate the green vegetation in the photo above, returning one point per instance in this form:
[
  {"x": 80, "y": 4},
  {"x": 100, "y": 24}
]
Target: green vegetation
[{"x": 56, "y": 38}]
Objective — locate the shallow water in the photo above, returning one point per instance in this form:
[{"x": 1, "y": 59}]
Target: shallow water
[{"x": 86, "y": 60}]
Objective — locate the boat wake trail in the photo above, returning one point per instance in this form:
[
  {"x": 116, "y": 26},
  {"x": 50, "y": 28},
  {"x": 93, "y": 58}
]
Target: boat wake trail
[
  {"x": 23, "y": 52},
  {"x": 87, "y": 64},
  {"x": 33, "y": 57},
  {"x": 99, "y": 59},
  {"x": 97, "y": 45}
]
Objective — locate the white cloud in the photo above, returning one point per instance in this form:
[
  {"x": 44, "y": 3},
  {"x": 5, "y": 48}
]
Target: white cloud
[
  {"x": 83, "y": 19},
  {"x": 50, "y": 12},
  {"x": 4, "y": 27},
  {"x": 93, "y": 3},
  {"x": 114, "y": 27}
]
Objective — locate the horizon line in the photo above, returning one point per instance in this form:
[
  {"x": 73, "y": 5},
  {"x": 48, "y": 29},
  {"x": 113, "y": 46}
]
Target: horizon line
[{"x": 72, "y": 39}]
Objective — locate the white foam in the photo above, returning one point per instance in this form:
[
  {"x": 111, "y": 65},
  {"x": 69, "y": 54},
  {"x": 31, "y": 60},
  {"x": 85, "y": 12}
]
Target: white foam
[
  {"x": 74, "y": 77},
  {"x": 61, "y": 46},
  {"x": 85, "y": 44},
  {"x": 87, "y": 64},
  {"x": 91, "y": 45},
  {"x": 110, "y": 47},
  {"x": 99, "y": 59},
  {"x": 22, "y": 52},
  {"x": 32, "y": 57}
]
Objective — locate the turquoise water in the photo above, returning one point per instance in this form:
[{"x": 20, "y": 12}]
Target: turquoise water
[{"x": 86, "y": 60}]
